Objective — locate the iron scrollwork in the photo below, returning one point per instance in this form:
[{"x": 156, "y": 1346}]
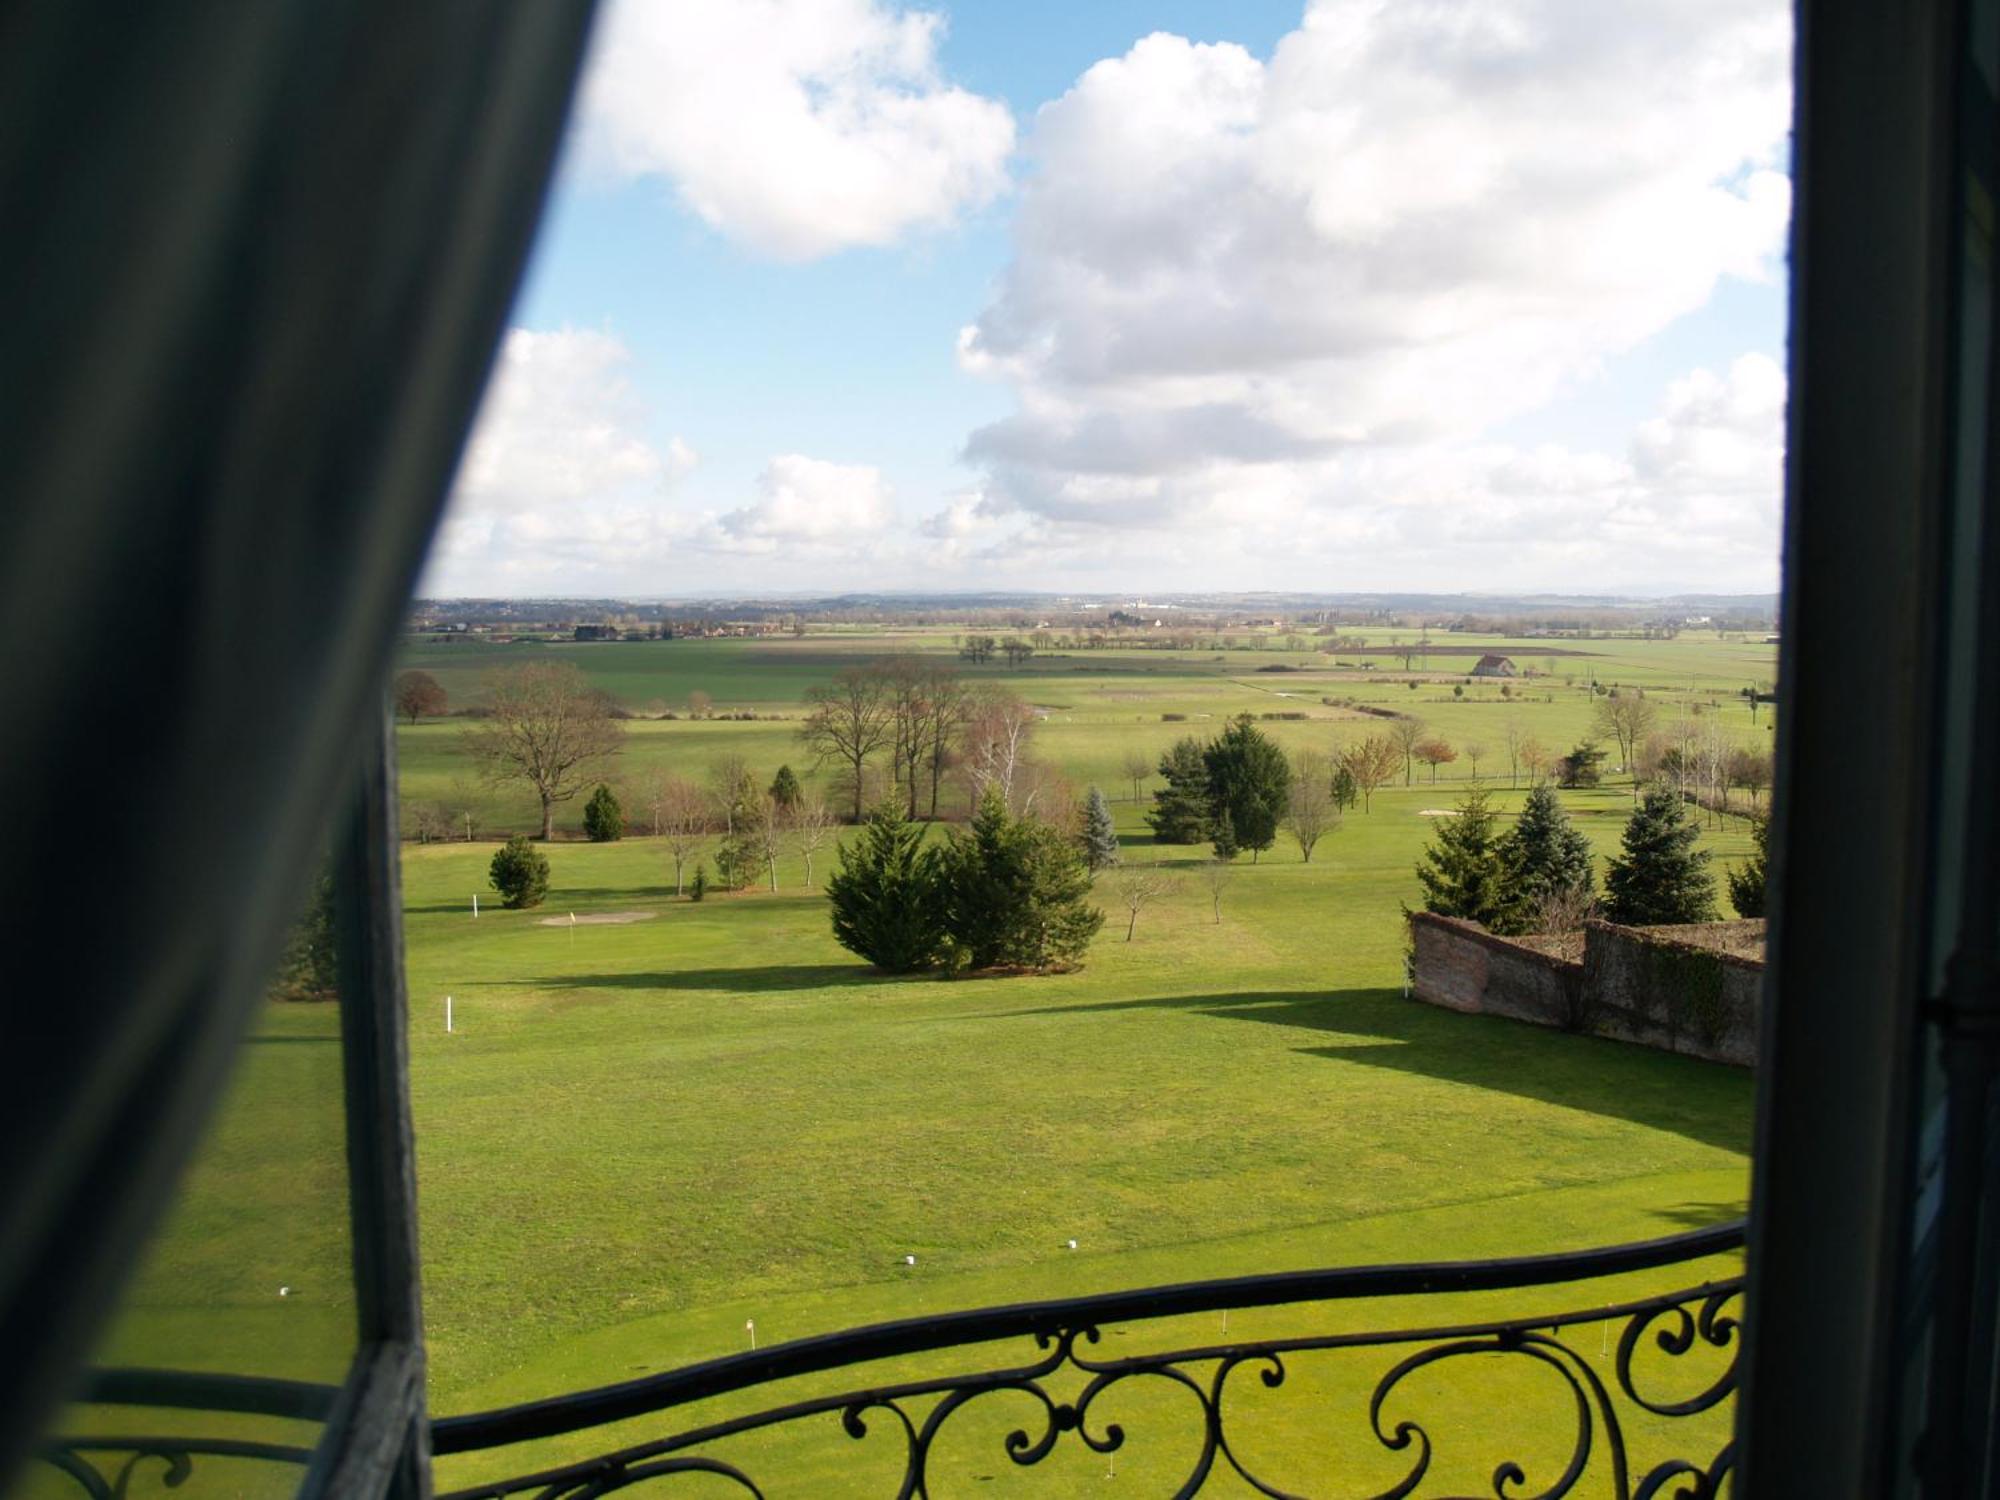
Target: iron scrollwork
[{"x": 1067, "y": 1379}]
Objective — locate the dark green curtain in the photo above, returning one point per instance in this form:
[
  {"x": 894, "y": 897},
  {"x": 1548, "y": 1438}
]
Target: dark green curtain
[{"x": 256, "y": 260}]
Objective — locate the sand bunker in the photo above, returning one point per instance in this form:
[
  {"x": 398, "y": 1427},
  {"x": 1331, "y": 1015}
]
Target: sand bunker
[
  {"x": 600, "y": 918},
  {"x": 1429, "y": 812}
]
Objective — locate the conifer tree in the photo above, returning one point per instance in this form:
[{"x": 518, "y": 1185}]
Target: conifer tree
[
  {"x": 1250, "y": 779},
  {"x": 785, "y": 787},
  {"x": 1225, "y": 844},
  {"x": 1464, "y": 871},
  {"x": 1180, "y": 811},
  {"x": 1100, "y": 839},
  {"x": 1013, "y": 893},
  {"x": 1345, "y": 792},
  {"x": 520, "y": 873},
  {"x": 1746, "y": 881},
  {"x": 883, "y": 895},
  {"x": 1546, "y": 853},
  {"x": 603, "y": 818},
  {"x": 1661, "y": 877}
]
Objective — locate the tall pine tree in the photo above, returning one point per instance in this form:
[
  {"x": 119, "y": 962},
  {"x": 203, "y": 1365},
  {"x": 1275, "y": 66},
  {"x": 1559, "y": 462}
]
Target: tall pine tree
[
  {"x": 1464, "y": 871},
  {"x": 1100, "y": 839},
  {"x": 1661, "y": 877},
  {"x": 1546, "y": 853},
  {"x": 1180, "y": 811}
]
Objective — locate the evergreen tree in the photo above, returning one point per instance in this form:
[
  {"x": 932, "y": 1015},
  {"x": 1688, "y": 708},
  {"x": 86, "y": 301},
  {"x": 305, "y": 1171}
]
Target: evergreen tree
[
  {"x": 1013, "y": 893},
  {"x": 1345, "y": 792},
  {"x": 1100, "y": 840},
  {"x": 1250, "y": 779},
  {"x": 784, "y": 787},
  {"x": 738, "y": 859},
  {"x": 884, "y": 894},
  {"x": 1746, "y": 881},
  {"x": 1464, "y": 870},
  {"x": 520, "y": 873},
  {"x": 603, "y": 818},
  {"x": 1225, "y": 842},
  {"x": 306, "y": 971},
  {"x": 1579, "y": 768},
  {"x": 1180, "y": 809},
  {"x": 698, "y": 887},
  {"x": 1545, "y": 852},
  {"x": 1662, "y": 877}
]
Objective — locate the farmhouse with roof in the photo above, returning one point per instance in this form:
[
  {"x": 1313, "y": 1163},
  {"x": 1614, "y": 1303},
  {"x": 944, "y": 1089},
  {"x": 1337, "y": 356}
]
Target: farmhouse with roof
[{"x": 1494, "y": 666}]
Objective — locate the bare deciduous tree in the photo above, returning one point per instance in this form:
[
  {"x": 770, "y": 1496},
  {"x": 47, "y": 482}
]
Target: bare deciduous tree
[
  {"x": 686, "y": 819},
  {"x": 812, "y": 824},
  {"x": 997, "y": 730},
  {"x": 1137, "y": 766},
  {"x": 648, "y": 794},
  {"x": 1407, "y": 734},
  {"x": 1514, "y": 738},
  {"x": 734, "y": 788},
  {"x": 1215, "y": 877},
  {"x": 1474, "y": 752},
  {"x": 848, "y": 723},
  {"x": 699, "y": 703},
  {"x": 1627, "y": 717},
  {"x": 1137, "y": 886},
  {"x": 764, "y": 824},
  {"x": 550, "y": 728},
  {"x": 1535, "y": 756},
  {"x": 1309, "y": 810}
]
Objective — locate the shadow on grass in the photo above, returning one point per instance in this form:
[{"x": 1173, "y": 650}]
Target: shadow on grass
[
  {"x": 1704, "y": 1102},
  {"x": 771, "y": 979}
]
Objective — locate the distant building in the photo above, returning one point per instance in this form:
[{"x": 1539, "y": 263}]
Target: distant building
[
  {"x": 1494, "y": 666},
  {"x": 598, "y": 633}
]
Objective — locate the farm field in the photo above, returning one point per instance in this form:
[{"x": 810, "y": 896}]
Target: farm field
[{"x": 644, "y": 1133}]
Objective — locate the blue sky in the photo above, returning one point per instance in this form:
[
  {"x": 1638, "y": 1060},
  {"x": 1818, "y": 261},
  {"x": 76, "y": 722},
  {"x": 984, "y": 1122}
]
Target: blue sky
[{"x": 1208, "y": 346}]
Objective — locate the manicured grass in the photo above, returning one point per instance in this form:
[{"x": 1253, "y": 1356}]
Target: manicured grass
[{"x": 640, "y": 1136}]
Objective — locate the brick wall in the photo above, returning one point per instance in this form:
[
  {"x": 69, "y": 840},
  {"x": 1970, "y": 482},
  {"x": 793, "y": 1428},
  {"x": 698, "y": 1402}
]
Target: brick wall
[{"x": 1692, "y": 990}]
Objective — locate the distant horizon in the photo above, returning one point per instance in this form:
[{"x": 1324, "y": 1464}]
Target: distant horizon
[{"x": 1163, "y": 597}]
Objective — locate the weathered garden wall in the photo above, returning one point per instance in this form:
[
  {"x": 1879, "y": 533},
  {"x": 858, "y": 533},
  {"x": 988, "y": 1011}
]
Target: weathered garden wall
[
  {"x": 1463, "y": 966},
  {"x": 1693, "y": 990}
]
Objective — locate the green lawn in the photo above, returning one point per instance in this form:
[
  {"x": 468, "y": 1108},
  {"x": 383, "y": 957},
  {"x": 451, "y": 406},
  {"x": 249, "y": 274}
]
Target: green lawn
[{"x": 640, "y": 1136}]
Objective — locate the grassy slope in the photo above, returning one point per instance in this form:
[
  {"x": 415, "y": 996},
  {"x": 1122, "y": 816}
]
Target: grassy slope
[{"x": 643, "y": 1135}]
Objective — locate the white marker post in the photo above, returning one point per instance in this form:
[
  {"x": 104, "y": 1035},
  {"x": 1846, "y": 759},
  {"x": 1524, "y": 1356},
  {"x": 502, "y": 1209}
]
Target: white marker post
[
  {"x": 572, "y": 929},
  {"x": 475, "y": 906},
  {"x": 750, "y": 1324},
  {"x": 447, "y": 1013}
]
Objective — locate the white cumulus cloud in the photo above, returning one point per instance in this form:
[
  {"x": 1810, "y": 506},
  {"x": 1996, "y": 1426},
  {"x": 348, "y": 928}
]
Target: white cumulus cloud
[
  {"x": 808, "y": 504},
  {"x": 795, "y": 127},
  {"x": 1296, "y": 295}
]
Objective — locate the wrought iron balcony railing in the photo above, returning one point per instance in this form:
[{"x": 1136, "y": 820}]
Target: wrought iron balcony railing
[{"x": 1064, "y": 1378}]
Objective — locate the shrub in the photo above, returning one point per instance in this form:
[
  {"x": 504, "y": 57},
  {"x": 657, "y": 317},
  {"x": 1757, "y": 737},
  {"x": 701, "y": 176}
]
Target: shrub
[
  {"x": 520, "y": 873},
  {"x": 1173, "y": 718},
  {"x": 603, "y": 818},
  {"x": 698, "y": 887}
]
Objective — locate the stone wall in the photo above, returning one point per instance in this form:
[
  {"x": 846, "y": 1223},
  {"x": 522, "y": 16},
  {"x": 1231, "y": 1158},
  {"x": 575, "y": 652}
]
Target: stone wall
[{"x": 1693, "y": 990}]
